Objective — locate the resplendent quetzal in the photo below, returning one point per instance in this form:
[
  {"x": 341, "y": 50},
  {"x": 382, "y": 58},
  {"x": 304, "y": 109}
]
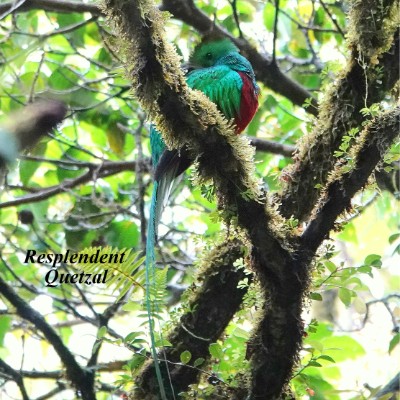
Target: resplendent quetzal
[{"x": 227, "y": 78}]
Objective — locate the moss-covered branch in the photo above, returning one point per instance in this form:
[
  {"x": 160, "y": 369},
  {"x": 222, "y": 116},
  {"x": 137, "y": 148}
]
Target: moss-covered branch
[
  {"x": 372, "y": 70},
  {"x": 343, "y": 183}
]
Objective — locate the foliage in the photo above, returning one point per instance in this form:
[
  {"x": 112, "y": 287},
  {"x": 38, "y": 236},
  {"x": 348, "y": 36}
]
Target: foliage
[{"x": 88, "y": 184}]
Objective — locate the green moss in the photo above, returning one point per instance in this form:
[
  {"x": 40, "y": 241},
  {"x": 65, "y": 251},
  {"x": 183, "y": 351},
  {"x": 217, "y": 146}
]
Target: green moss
[{"x": 373, "y": 23}]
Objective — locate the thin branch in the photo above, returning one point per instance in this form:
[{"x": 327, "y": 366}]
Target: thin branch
[
  {"x": 332, "y": 17},
  {"x": 60, "y": 388},
  {"x": 62, "y": 31},
  {"x": 233, "y": 4},
  {"x": 80, "y": 378},
  {"x": 13, "y": 7},
  {"x": 275, "y": 31},
  {"x": 10, "y": 372},
  {"x": 268, "y": 146},
  {"x": 62, "y": 6},
  {"x": 386, "y": 302},
  {"x": 103, "y": 170}
]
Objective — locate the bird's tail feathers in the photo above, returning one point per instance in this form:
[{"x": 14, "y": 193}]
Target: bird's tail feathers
[
  {"x": 150, "y": 283},
  {"x": 161, "y": 192}
]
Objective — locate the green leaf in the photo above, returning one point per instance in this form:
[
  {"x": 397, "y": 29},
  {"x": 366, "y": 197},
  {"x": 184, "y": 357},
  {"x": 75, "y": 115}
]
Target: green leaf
[
  {"x": 269, "y": 16},
  {"x": 330, "y": 266},
  {"x": 216, "y": 350},
  {"x": 394, "y": 237},
  {"x": 131, "y": 306},
  {"x": 122, "y": 234},
  {"x": 185, "y": 357},
  {"x": 63, "y": 78},
  {"x": 313, "y": 363},
  {"x": 28, "y": 168},
  {"x": 315, "y": 296},
  {"x": 116, "y": 138},
  {"x": 374, "y": 260},
  {"x": 342, "y": 348},
  {"x": 130, "y": 337},
  {"x": 136, "y": 362},
  {"x": 365, "y": 269},
  {"x": 394, "y": 342},
  {"x": 198, "y": 361},
  {"x": 327, "y": 358},
  {"x": 5, "y": 322},
  {"x": 345, "y": 295},
  {"x": 163, "y": 343},
  {"x": 95, "y": 347},
  {"x": 102, "y": 332},
  {"x": 349, "y": 233}
]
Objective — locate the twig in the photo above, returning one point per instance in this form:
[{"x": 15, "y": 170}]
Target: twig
[
  {"x": 105, "y": 170},
  {"x": 333, "y": 19},
  {"x": 275, "y": 31},
  {"x": 60, "y": 388},
  {"x": 62, "y": 6},
  {"x": 269, "y": 146},
  {"x": 236, "y": 16},
  {"x": 7, "y": 371}
]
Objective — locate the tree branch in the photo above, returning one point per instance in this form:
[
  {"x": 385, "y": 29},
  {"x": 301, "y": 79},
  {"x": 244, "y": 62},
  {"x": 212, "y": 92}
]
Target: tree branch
[
  {"x": 62, "y": 6},
  {"x": 6, "y": 370},
  {"x": 108, "y": 168},
  {"x": 362, "y": 83},
  {"x": 270, "y": 146},
  {"x": 373, "y": 143}
]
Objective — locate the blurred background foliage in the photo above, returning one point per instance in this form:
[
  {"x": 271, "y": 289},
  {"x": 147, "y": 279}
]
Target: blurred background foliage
[{"x": 89, "y": 183}]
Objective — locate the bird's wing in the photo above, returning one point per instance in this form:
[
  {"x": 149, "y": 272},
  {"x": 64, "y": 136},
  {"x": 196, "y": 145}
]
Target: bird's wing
[{"x": 222, "y": 85}]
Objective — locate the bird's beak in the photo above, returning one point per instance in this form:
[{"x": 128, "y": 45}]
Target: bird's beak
[{"x": 188, "y": 67}]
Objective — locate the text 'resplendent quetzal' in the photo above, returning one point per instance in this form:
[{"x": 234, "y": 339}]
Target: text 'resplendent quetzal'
[{"x": 227, "y": 79}]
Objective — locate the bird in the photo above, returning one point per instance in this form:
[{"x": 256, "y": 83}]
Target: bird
[{"x": 227, "y": 78}]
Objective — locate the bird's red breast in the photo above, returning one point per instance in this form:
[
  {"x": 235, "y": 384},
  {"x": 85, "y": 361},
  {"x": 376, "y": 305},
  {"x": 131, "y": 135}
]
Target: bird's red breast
[{"x": 248, "y": 103}]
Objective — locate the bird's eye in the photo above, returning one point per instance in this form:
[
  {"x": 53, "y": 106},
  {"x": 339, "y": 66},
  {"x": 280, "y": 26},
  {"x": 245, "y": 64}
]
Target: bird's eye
[{"x": 209, "y": 56}]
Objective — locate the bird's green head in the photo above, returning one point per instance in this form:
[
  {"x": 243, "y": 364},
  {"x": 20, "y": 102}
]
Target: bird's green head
[{"x": 210, "y": 50}]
